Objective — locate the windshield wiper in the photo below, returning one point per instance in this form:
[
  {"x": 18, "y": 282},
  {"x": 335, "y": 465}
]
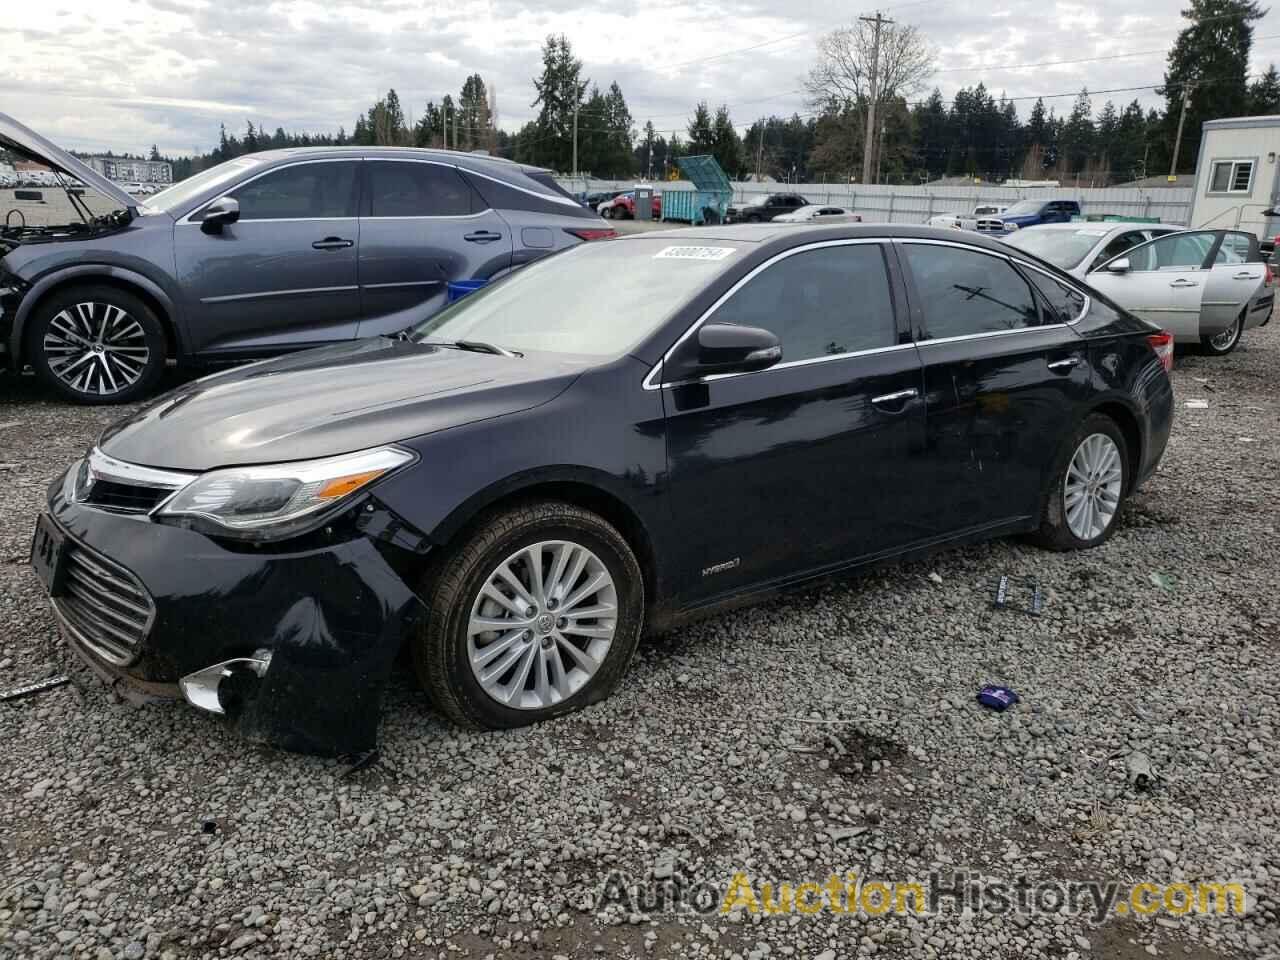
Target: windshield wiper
[{"x": 474, "y": 346}]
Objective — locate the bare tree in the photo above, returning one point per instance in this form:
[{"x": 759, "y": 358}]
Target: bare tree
[{"x": 840, "y": 82}]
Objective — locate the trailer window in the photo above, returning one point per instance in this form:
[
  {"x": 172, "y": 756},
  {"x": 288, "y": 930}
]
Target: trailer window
[{"x": 1231, "y": 176}]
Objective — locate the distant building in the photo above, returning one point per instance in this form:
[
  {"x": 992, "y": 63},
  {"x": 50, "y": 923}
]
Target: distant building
[{"x": 125, "y": 170}]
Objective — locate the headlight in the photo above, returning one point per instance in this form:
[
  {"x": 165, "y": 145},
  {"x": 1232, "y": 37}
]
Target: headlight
[
  {"x": 278, "y": 500},
  {"x": 1011, "y": 226}
]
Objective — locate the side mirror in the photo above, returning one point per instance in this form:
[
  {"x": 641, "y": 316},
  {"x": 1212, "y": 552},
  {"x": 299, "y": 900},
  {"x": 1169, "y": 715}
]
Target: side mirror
[
  {"x": 1119, "y": 266},
  {"x": 729, "y": 348},
  {"x": 218, "y": 214}
]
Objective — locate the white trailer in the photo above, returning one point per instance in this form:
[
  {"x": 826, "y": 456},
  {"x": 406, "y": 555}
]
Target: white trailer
[{"x": 1238, "y": 176}]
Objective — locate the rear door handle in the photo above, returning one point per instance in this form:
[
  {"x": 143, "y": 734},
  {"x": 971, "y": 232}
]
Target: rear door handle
[
  {"x": 482, "y": 236},
  {"x": 1064, "y": 364},
  {"x": 332, "y": 243},
  {"x": 1246, "y": 276},
  {"x": 899, "y": 396},
  {"x": 1185, "y": 283}
]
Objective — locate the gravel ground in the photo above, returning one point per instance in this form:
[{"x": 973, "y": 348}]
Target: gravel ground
[{"x": 707, "y": 761}]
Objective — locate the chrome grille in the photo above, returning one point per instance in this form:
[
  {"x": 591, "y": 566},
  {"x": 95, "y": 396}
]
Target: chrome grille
[
  {"x": 124, "y": 497},
  {"x": 103, "y": 604},
  {"x": 121, "y": 487}
]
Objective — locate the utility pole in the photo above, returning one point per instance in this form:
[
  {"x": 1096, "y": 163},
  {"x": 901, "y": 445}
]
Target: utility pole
[
  {"x": 760, "y": 152},
  {"x": 575, "y": 138},
  {"x": 879, "y": 22},
  {"x": 1182, "y": 118},
  {"x": 444, "y": 125}
]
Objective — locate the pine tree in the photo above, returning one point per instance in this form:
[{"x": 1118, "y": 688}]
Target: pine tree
[
  {"x": 701, "y": 136},
  {"x": 1264, "y": 93},
  {"x": 726, "y": 147},
  {"x": 1212, "y": 54},
  {"x": 560, "y": 89}
]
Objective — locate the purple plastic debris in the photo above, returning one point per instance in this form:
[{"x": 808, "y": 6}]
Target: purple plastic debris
[{"x": 997, "y": 698}]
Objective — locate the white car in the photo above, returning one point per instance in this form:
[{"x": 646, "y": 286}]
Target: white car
[
  {"x": 968, "y": 221},
  {"x": 817, "y": 213},
  {"x": 1204, "y": 286}
]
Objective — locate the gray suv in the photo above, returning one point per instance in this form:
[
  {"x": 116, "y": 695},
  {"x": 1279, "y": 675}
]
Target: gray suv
[{"x": 263, "y": 254}]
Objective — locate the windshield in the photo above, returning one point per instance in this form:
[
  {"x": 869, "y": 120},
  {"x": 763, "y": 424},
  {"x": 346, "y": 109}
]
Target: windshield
[
  {"x": 620, "y": 291},
  {"x": 184, "y": 191},
  {"x": 1062, "y": 248},
  {"x": 1024, "y": 208}
]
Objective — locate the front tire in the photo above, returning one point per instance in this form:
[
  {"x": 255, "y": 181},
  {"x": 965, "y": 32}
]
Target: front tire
[
  {"x": 97, "y": 345},
  {"x": 1087, "y": 487},
  {"x": 1226, "y": 341},
  {"x": 536, "y": 614}
]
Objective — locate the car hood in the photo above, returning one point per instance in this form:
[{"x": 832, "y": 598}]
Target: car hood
[
  {"x": 29, "y": 145},
  {"x": 331, "y": 400},
  {"x": 1021, "y": 219}
]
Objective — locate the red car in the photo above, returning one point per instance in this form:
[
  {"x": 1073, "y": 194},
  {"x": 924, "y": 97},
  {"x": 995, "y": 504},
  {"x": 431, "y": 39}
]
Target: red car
[{"x": 623, "y": 207}]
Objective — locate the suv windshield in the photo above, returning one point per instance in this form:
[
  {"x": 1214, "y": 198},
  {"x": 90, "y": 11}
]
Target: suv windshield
[
  {"x": 1024, "y": 208},
  {"x": 184, "y": 191},
  {"x": 623, "y": 290},
  {"x": 1062, "y": 248}
]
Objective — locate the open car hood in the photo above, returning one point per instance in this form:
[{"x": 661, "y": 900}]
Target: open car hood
[{"x": 29, "y": 145}]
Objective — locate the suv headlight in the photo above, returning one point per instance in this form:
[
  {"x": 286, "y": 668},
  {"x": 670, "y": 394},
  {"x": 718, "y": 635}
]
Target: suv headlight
[{"x": 277, "y": 500}]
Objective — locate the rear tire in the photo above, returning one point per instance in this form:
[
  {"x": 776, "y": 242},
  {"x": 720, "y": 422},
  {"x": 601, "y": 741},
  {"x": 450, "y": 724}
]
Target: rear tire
[
  {"x": 475, "y": 675},
  {"x": 1226, "y": 341},
  {"x": 96, "y": 345},
  {"x": 1087, "y": 487}
]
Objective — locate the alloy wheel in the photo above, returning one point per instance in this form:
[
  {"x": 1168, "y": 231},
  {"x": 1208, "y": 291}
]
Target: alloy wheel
[
  {"x": 96, "y": 348},
  {"x": 1091, "y": 490},
  {"x": 1227, "y": 338},
  {"x": 542, "y": 624}
]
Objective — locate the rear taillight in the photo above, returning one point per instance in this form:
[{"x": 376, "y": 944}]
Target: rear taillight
[
  {"x": 592, "y": 233},
  {"x": 1162, "y": 344},
  {"x": 1270, "y": 276}
]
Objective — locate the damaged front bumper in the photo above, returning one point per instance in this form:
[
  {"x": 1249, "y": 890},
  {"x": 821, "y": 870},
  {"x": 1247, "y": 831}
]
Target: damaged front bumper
[{"x": 292, "y": 645}]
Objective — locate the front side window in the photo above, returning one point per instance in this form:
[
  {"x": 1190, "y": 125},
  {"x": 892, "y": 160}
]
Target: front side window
[
  {"x": 1177, "y": 251},
  {"x": 1118, "y": 245},
  {"x": 964, "y": 292},
  {"x": 1231, "y": 176},
  {"x": 310, "y": 191},
  {"x": 819, "y": 303},
  {"x": 399, "y": 189}
]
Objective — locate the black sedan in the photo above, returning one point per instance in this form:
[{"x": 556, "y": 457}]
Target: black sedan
[{"x": 519, "y": 487}]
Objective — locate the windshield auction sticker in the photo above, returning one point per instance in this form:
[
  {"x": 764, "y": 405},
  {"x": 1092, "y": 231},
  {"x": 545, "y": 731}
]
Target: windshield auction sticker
[{"x": 693, "y": 253}]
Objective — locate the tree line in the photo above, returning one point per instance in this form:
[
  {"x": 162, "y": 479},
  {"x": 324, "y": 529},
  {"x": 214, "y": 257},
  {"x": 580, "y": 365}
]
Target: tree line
[{"x": 977, "y": 133}]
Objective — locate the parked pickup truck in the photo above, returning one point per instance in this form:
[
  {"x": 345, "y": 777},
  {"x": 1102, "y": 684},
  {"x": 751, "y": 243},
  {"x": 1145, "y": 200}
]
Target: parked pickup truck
[{"x": 1029, "y": 213}]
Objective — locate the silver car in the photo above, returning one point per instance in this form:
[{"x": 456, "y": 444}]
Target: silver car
[{"x": 1206, "y": 287}]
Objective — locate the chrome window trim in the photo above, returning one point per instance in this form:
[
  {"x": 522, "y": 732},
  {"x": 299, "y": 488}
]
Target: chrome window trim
[
  {"x": 301, "y": 291},
  {"x": 400, "y": 283},
  {"x": 186, "y": 219},
  {"x": 649, "y": 383},
  {"x": 428, "y": 216},
  {"x": 1012, "y": 260}
]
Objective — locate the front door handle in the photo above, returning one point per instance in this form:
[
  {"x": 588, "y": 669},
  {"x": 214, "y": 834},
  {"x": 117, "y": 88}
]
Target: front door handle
[
  {"x": 482, "y": 236},
  {"x": 1185, "y": 283},
  {"x": 332, "y": 243},
  {"x": 1064, "y": 364},
  {"x": 899, "y": 396}
]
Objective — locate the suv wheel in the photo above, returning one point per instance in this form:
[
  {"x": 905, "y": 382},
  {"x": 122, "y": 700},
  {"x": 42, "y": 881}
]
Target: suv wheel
[
  {"x": 96, "y": 344},
  {"x": 535, "y": 615}
]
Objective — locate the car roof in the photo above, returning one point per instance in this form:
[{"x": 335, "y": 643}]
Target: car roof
[
  {"x": 476, "y": 161},
  {"x": 1105, "y": 225},
  {"x": 782, "y": 236}
]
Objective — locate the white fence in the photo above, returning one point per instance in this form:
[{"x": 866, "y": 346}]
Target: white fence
[{"x": 911, "y": 204}]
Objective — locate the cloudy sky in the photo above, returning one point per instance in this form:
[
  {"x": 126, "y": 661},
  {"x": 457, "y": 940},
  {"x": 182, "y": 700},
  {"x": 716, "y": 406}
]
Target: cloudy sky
[{"x": 129, "y": 73}]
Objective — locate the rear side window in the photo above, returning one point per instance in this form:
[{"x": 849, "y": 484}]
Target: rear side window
[
  {"x": 399, "y": 189},
  {"x": 963, "y": 292},
  {"x": 1065, "y": 304},
  {"x": 819, "y": 303},
  {"x": 1235, "y": 249},
  {"x": 1179, "y": 251},
  {"x": 305, "y": 191},
  {"x": 503, "y": 196}
]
